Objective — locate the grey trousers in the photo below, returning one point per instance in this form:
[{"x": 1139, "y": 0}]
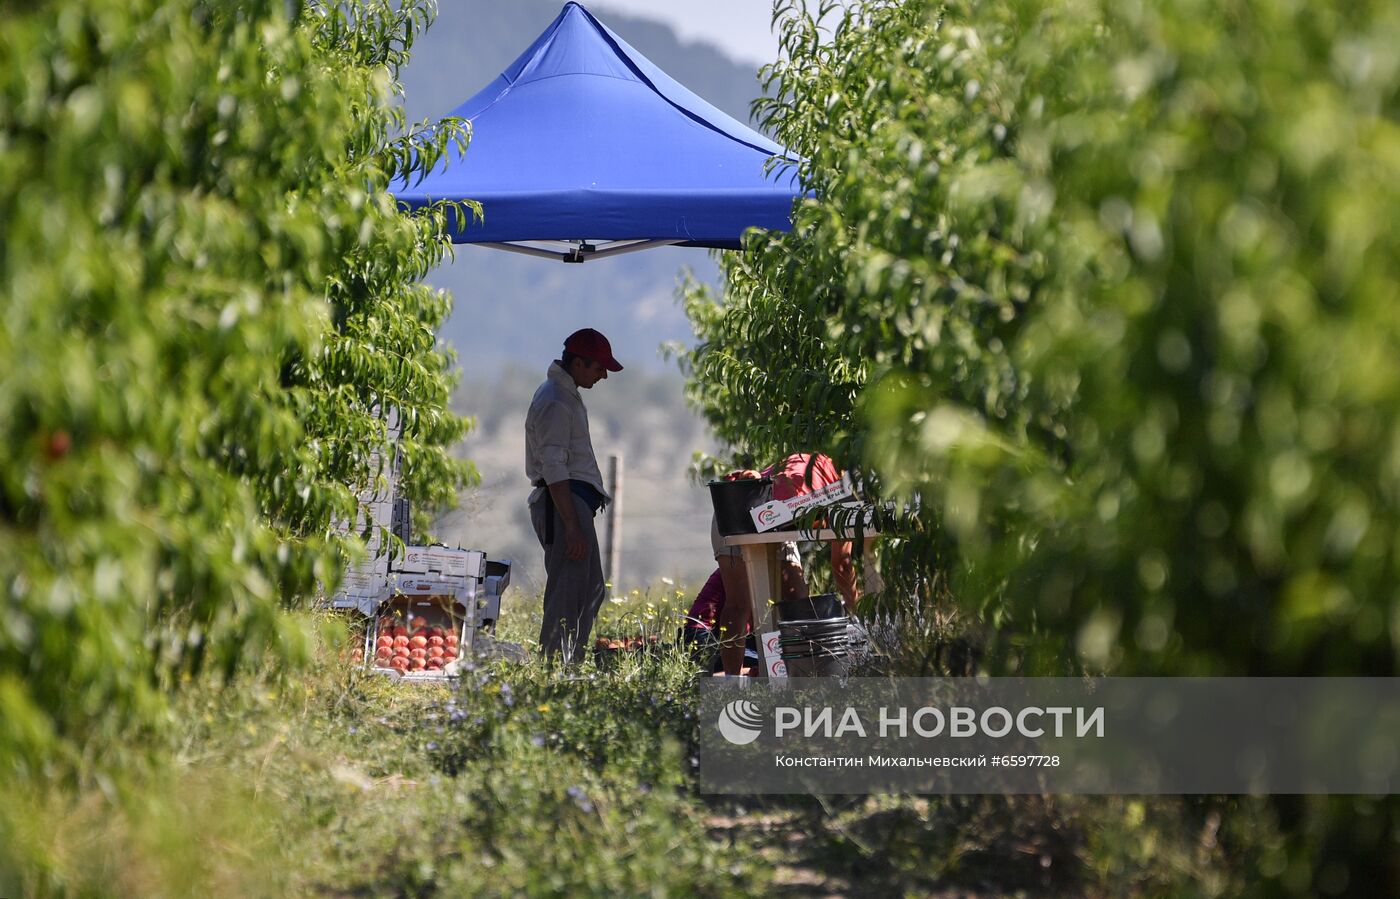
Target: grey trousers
[{"x": 574, "y": 590}]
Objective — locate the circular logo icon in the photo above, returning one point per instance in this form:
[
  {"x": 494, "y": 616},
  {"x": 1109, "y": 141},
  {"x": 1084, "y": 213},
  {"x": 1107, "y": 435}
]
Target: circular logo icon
[{"x": 740, "y": 722}]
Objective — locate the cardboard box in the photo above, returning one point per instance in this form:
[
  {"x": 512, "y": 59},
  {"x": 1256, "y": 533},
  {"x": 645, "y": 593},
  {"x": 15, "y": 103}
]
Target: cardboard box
[
  {"x": 778, "y": 512},
  {"x": 457, "y": 562},
  {"x": 363, "y": 589},
  {"x": 465, "y": 563},
  {"x": 773, "y": 655}
]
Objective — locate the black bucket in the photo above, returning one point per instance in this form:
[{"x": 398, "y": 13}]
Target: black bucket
[
  {"x": 733, "y": 500},
  {"x": 822, "y": 664},
  {"x": 823, "y": 605},
  {"x": 815, "y": 646}
]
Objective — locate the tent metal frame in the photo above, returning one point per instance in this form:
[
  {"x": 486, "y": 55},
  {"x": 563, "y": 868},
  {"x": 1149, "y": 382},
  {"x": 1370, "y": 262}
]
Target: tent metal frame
[{"x": 577, "y": 250}]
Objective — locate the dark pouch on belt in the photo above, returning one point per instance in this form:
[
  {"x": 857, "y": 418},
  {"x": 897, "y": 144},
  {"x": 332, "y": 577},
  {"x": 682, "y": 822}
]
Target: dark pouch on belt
[{"x": 585, "y": 491}]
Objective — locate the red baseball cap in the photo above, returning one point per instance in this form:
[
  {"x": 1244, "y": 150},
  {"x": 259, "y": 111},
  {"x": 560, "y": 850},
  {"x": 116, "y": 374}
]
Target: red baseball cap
[{"x": 590, "y": 344}]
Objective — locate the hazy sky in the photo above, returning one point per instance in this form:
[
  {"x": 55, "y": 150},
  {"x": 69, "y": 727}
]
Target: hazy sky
[{"x": 738, "y": 27}]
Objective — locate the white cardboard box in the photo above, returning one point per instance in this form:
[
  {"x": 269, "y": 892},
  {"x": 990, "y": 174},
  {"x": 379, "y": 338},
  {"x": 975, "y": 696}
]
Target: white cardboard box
[
  {"x": 777, "y": 512},
  {"x": 459, "y": 562},
  {"x": 443, "y": 560},
  {"x": 773, "y": 655}
]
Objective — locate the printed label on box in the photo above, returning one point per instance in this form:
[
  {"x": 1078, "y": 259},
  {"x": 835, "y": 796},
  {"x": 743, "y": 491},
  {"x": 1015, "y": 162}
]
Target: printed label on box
[
  {"x": 778, "y": 512},
  {"x": 414, "y": 561},
  {"x": 773, "y": 655},
  {"x": 459, "y": 562},
  {"x": 770, "y": 515}
]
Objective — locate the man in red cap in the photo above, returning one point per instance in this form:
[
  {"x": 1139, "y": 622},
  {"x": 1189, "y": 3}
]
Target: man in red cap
[{"x": 568, "y": 492}]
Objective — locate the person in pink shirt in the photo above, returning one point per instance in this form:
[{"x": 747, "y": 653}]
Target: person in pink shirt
[
  {"x": 704, "y": 611},
  {"x": 700, "y": 632}
]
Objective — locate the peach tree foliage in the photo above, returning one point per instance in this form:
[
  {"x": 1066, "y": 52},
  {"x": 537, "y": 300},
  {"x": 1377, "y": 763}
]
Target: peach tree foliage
[
  {"x": 207, "y": 298},
  {"x": 1109, "y": 288}
]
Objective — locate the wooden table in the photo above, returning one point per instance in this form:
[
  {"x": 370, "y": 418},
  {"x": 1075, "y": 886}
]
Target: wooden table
[{"x": 760, "y": 555}]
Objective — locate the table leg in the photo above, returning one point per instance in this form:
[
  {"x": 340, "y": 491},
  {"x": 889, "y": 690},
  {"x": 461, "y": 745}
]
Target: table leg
[{"x": 761, "y": 565}]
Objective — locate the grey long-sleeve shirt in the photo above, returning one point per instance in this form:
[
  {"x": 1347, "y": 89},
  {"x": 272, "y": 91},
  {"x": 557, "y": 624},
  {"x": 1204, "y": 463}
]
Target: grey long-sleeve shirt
[{"x": 557, "y": 444}]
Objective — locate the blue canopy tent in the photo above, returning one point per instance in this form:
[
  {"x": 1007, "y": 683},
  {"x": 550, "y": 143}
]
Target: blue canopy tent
[{"x": 583, "y": 148}]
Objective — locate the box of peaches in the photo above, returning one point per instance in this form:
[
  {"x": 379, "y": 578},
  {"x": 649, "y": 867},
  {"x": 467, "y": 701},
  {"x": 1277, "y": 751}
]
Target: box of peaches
[{"x": 414, "y": 644}]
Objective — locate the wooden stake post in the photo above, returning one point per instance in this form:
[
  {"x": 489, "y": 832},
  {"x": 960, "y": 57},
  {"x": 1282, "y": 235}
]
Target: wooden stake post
[{"x": 612, "y": 560}]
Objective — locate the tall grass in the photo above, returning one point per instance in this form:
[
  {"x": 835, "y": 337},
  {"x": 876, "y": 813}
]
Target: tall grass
[{"x": 527, "y": 779}]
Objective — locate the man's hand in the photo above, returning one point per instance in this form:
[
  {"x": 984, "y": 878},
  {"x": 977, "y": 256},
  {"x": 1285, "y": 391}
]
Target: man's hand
[
  {"x": 743, "y": 474},
  {"x": 574, "y": 544}
]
